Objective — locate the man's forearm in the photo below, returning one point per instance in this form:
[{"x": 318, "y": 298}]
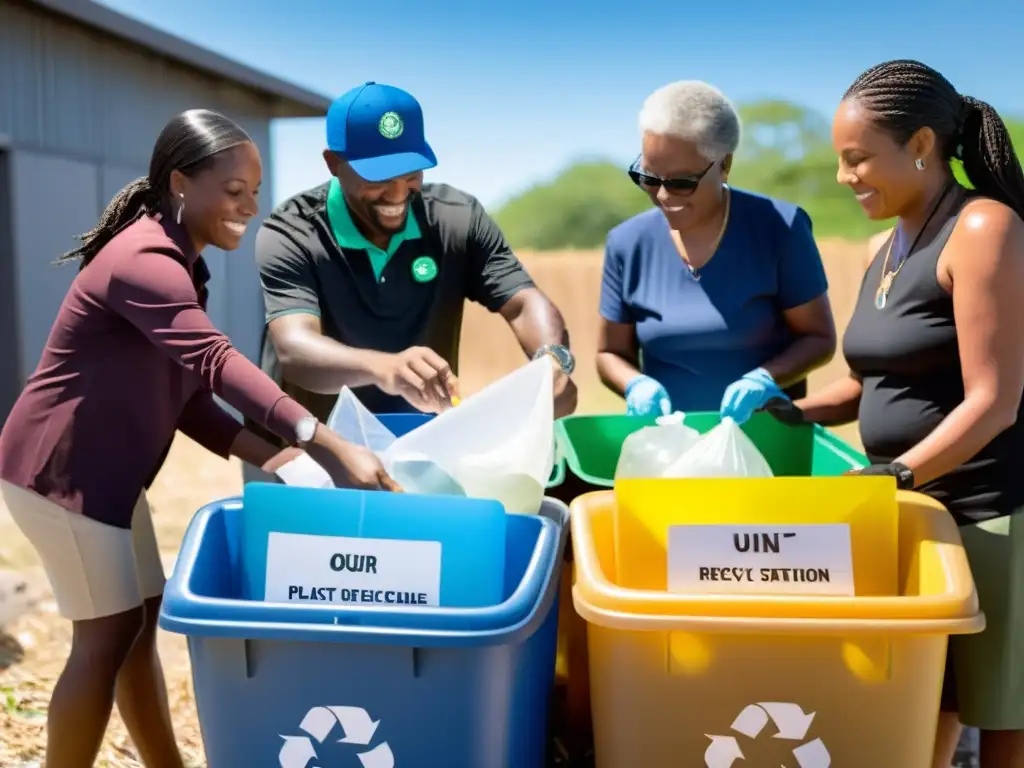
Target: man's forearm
[
  {"x": 319, "y": 364},
  {"x": 534, "y": 320}
]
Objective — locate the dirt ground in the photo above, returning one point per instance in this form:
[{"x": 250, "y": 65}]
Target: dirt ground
[{"x": 34, "y": 647}]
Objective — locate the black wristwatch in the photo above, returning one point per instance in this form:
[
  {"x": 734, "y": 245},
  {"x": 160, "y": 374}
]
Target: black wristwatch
[
  {"x": 562, "y": 355},
  {"x": 904, "y": 476}
]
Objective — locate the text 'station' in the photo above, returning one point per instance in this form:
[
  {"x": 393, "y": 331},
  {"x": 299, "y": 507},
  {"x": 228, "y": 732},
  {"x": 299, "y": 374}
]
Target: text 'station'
[{"x": 762, "y": 559}]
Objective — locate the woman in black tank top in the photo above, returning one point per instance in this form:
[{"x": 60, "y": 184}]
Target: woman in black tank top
[{"x": 937, "y": 360}]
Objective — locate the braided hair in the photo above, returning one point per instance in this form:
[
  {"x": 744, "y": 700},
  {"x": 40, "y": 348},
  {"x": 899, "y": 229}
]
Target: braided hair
[
  {"x": 189, "y": 143},
  {"x": 905, "y": 96}
]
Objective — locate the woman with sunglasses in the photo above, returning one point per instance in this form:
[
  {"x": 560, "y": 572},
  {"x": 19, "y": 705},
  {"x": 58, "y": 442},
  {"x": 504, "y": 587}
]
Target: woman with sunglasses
[{"x": 715, "y": 299}]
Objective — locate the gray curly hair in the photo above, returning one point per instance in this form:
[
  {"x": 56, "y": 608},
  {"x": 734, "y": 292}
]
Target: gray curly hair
[{"x": 695, "y": 111}]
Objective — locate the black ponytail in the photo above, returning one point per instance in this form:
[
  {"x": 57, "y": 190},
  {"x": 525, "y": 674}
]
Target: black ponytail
[
  {"x": 125, "y": 207},
  {"x": 988, "y": 155},
  {"x": 189, "y": 143},
  {"x": 906, "y": 95}
]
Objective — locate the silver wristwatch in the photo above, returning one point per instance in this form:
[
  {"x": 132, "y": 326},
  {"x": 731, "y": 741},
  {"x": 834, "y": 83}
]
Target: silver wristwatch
[
  {"x": 562, "y": 355},
  {"x": 305, "y": 431}
]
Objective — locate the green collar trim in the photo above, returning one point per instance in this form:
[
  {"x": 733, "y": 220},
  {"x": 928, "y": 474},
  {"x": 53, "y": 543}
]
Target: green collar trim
[{"x": 347, "y": 234}]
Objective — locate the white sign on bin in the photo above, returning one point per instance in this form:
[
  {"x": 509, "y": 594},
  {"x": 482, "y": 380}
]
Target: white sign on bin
[
  {"x": 352, "y": 571},
  {"x": 761, "y": 559}
]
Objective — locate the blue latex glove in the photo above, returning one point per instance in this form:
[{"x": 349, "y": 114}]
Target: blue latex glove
[
  {"x": 646, "y": 397},
  {"x": 748, "y": 394}
]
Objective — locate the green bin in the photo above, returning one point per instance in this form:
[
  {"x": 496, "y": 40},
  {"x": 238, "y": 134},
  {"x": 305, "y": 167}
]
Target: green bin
[
  {"x": 591, "y": 445},
  {"x": 557, "y": 476}
]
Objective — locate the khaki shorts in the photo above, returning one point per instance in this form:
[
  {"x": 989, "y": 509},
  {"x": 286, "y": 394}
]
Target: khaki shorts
[
  {"x": 95, "y": 569},
  {"x": 985, "y": 672}
]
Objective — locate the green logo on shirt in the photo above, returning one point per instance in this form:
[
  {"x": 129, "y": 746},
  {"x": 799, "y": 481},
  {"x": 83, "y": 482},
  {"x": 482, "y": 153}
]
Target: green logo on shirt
[
  {"x": 424, "y": 269},
  {"x": 390, "y": 125}
]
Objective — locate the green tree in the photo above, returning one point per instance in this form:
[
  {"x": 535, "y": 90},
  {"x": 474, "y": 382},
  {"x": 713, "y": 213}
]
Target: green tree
[
  {"x": 574, "y": 210},
  {"x": 786, "y": 152}
]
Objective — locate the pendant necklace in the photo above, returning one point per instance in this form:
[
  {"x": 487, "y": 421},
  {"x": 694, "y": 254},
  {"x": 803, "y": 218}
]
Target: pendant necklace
[
  {"x": 885, "y": 285},
  {"x": 889, "y": 275},
  {"x": 695, "y": 271}
]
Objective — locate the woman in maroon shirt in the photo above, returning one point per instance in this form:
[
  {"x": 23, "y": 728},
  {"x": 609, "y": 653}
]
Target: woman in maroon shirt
[{"x": 132, "y": 357}]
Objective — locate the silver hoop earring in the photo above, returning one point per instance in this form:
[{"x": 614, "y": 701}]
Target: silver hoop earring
[
  {"x": 919, "y": 164},
  {"x": 180, "y": 208}
]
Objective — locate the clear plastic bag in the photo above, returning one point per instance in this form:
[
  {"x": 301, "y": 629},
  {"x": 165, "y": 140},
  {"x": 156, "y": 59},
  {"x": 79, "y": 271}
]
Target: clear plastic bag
[
  {"x": 725, "y": 451},
  {"x": 497, "y": 444},
  {"x": 651, "y": 450},
  {"x": 354, "y": 422}
]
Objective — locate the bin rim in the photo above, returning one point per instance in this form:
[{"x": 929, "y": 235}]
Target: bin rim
[
  {"x": 517, "y": 617},
  {"x": 838, "y": 446},
  {"x": 557, "y": 476},
  {"x": 738, "y": 625},
  {"x": 600, "y": 601},
  {"x": 821, "y": 435}
]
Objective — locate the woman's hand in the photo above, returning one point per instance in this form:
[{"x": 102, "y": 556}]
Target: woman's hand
[
  {"x": 647, "y": 397},
  {"x": 349, "y": 465},
  {"x": 786, "y": 411},
  {"x": 833, "y": 405},
  {"x": 748, "y": 394}
]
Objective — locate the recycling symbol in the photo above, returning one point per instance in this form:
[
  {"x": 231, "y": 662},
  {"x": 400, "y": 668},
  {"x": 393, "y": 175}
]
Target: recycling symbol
[
  {"x": 319, "y": 722},
  {"x": 792, "y": 725}
]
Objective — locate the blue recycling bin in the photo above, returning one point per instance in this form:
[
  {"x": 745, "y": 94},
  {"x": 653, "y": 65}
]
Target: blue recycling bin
[
  {"x": 302, "y": 684},
  {"x": 402, "y": 423}
]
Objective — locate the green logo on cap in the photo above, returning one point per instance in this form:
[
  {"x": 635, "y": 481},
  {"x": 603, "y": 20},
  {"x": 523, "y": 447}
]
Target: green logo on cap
[
  {"x": 424, "y": 269},
  {"x": 390, "y": 125}
]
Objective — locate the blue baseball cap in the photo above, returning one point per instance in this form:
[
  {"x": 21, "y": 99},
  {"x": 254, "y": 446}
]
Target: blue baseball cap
[{"x": 378, "y": 129}]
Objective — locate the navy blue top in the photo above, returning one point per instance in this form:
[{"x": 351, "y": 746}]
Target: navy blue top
[{"x": 697, "y": 337}]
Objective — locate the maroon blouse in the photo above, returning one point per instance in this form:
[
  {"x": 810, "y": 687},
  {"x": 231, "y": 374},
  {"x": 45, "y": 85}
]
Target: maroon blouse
[{"x": 131, "y": 357}]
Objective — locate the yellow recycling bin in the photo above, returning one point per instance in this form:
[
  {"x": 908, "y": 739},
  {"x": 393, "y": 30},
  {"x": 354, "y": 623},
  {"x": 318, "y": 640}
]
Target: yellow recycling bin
[{"x": 799, "y": 681}]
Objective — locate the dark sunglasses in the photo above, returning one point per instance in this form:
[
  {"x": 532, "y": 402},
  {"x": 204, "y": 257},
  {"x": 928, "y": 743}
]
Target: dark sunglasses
[{"x": 684, "y": 184}]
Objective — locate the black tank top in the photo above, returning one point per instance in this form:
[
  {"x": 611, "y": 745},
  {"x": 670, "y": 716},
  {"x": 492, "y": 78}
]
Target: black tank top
[{"x": 907, "y": 358}]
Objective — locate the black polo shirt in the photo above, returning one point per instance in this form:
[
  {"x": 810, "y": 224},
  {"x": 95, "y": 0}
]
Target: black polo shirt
[{"x": 451, "y": 252}]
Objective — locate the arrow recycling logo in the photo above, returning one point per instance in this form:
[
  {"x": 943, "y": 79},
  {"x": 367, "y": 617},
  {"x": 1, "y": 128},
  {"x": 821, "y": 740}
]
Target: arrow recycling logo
[
  {"x": 320, "y": 722},
  {"x": 792, "y": 725}
]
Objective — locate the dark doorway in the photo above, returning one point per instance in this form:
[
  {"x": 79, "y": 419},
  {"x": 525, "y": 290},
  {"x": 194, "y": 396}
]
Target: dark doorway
[{"x": 10, "y": 349}]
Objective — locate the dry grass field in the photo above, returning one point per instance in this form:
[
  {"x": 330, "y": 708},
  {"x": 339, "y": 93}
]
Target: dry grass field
[{"x": 34, "y": 647}]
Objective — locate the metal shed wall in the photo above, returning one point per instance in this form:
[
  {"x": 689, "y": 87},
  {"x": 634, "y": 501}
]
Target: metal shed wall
[{"x": 79, "y": 112}]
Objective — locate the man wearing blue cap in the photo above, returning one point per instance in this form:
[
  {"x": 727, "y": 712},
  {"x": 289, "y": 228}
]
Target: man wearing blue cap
[{"x": 365, "y": 277}]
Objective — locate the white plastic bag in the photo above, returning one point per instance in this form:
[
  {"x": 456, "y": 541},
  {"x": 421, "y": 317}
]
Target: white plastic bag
[
  {"x": 497, "y": 444},
  {"x": 651, "y": 450},
  {"x": 725, "y": 451}
]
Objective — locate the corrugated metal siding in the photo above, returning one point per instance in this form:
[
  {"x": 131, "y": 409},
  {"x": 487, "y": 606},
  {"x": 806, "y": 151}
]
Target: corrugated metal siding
[
  {"x": 42, "y": 233},
  {"x": 72, "y": 91},
  {"x": 10, "y": 343},
  {"x": 74, "y": 95}
]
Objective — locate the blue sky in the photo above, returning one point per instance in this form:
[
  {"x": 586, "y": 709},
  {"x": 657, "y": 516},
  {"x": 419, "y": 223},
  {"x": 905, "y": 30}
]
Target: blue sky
[{"x": 512, "y": 92}]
